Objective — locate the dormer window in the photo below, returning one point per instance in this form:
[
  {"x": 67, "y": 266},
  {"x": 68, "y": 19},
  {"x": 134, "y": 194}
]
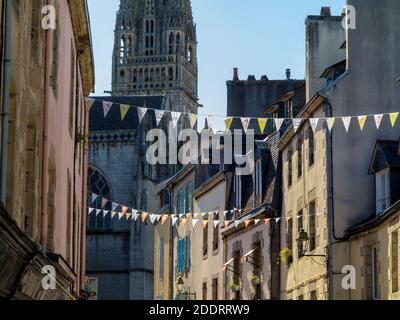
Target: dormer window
[{"x": 382, "y": 179}]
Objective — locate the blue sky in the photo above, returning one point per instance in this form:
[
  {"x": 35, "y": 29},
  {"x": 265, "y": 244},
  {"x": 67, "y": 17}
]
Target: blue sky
[{"x": 257, "y": 36}]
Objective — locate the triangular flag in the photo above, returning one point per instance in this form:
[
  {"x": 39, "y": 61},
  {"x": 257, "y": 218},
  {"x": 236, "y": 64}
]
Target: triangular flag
[
  {"x": 210, "y": 122},
  {"x": 90, "y": 211},
  {"x": 393, "y": 118},
  {"x": 346, "y": 123},
  {"x": 164, "y": 219},
  {"x": 144, "y": 216},
  {"x": 153, "y": 218},
  {"x": 103, "y": 202},
  {"x": 106, "y": 107},
  {"x": 113, "y": 213},
  {"x": 105, "y": 213},
  {"x": 361, "y": 121},
  {"x": 247, "y": 223},
  {"x": 128, "y": 216},
  {"x": 175, "y": 118},
  {"x": 159, "y": 116},
  {"x": 174, "y": 221},
  {"x": 205, "y": 223},
  {"x": 314, "y": 124},
  {"x": 228, "y": 123},
  {"x": 227, "y": 223},
  {"x": 98, "y": 212},
  {"x": 266, "y": 221},
  {"x": 296, "y": 124},
  {"x": 124, "y": 210},
  {"x": 216, "y": 223},
  {"x": 114, "y": 206},
  {"x": 257, "y": 221},
  {"x": 277, "y": 220},
  {"x": 120, "y": 215},
  {"x": 330, "y": 122},
  {"x": 378, "y": 120},
  {"x": 193, "y": 120},
  {"x": 94, "y": 197},
  {"x": 278, "y": 123},
  {"x": 124, "y": 110},
  {"x": 141, "y": 113},
  {"x": 237, "y": 223},
  {"x": 194, "y": 222},
  {"x": 245, "y": 123},
  {"x": 89, "y": 103},
  {"x": 135, "y": 215},
  {"x": 184, "y": 221},
  {"x": 262, "y": 123}
]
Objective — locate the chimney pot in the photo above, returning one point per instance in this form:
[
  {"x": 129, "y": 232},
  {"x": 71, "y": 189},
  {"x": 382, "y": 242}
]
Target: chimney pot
[
  {"x": 326, "y": 11},
  {"x": 288, "y": 74},
  {"x": 235, "y": 74}
]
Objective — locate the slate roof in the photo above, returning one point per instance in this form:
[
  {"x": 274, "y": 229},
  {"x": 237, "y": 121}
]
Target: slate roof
[
  {"x": 271, "y": 177},
  {"x": 97, "y": 122},
  {"x": 385, "y": 155}
]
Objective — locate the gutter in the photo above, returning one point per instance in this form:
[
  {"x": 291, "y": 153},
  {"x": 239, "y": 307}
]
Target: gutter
[{"x": 5, "y": 101}]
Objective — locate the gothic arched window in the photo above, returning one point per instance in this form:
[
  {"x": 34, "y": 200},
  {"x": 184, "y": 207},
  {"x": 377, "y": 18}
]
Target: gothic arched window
[{"x": 99, "y": 185}]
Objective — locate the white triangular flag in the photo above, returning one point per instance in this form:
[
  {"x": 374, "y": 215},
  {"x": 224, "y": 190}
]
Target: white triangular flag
[
  {"x": 106, "y": 107},
  {"x": 174, "y": 221},
  {"x": 194, "y": 222},
  {"x": 120, "y": 215},
  {"x": 346, "y": 123},
  {"x": 153, "y": 218},
  {"x": 98, "y": 212},
  {"x": 245, "y": 123},
  {"x": 237, "y": 223},
  {"x": 94, "y": 197},
  {"x": 159, "y": 116},
  {"x": 105, "y": 213},
  {"x": 114, "y": 206},
  {"x": 141, "y": 113},
  {"x": 257, "y": 221},
  {"x": 296, "y": 124},
  {"x": 278, "y": 123},
  {"x": 378, "y": 120},
  {"x": 175, "y": 118},
  {"x": 277, "y": 220},
  {"x": 135, "y": 214},
  {"x": 314, "y": 124},
  {"x": 90, "y": 210},
  {"x": 216, "y": 223}
]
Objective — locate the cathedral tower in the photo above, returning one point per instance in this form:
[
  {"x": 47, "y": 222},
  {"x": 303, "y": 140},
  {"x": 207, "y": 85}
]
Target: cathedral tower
[{"x": 155, "y": 52}]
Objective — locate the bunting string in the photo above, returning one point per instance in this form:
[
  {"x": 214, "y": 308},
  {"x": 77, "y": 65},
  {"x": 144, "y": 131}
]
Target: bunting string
[
  {"x": 262, "y": 122},
  {"x": 128, "y": 214}
]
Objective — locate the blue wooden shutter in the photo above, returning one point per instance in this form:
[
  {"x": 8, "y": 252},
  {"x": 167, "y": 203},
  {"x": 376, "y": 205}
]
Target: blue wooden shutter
[
  {"x": 187, "y": 255},
  {"x": 191, "y": 196}
]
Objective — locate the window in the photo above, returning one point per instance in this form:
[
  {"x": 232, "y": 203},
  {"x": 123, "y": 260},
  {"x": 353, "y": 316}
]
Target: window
[
  {"x": 204, "y": 290},
  {"x": 215, "y": 237},
  {"x": 205, "y": 241},
  {"x": 395, "y": 261},
  {"x": 289, "y": 239},
  {"x": 299, "y": 158},
  {"x": 312, "y": 219},
  {"x": 258, "y": 183},
  {"x": 182, "y": 201},
  {"x": 311, "y": 151},
  {"x": 382, "y": 191},
  {"x": 300, "y": 297},
  {"x": 183, "y": 257},
  {"x": 374, "y": 272},
  {"x": 238, "y": 192},
  {"x": 290, "y": 168},
  {"x": 313, "y": 295},
  {"x": 161, "y": 267},
  {"x": 289, "y": 109},
  {"x": 300, "y": 227},
  {"x": 215, "y": 289},
  {"x": 237, "y": 274}
]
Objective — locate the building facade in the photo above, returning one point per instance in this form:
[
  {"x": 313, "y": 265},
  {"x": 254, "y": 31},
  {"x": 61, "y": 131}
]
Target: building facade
[
  {"x": 154, "y": 66},
  {"x": 43, "y": 216}
]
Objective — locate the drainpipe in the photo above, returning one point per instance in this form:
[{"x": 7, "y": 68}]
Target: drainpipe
[
  {"x": 330, "y": 221},
  {"x": 5, "y": 101},
  {"x": 45, "y": 156}
]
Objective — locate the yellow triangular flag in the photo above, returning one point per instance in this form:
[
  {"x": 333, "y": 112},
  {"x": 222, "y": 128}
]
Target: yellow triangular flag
[
  {"x": 393, "y": 118},
  {"x": 247, "y": 223},
  {"x": 228, "y": 123},
  {"x": 330, "y": 122},
  {"x": 193, "y": 120},
  {"x": 262, "y": 122},
  {"x": 89, "y": 103},
  {"x": 164, "y": 219},
  {"x": 205, "y": 223},
  {"x": 124, "y": 110},
  {"x": 361, "y": 121},
  {"x": 113, "y": 214},
  {"x": 128, "y": 216}
]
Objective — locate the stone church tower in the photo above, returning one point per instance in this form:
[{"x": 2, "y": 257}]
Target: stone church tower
[
  {"x": 154, "y": 66},
  {"x": 155, "y": 52}
]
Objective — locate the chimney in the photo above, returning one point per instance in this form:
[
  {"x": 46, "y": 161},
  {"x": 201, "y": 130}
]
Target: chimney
[
  {"x": 326, "y": 11},
  {"x": 288, "y": 74},
  {"x": 235, "y": 74}
]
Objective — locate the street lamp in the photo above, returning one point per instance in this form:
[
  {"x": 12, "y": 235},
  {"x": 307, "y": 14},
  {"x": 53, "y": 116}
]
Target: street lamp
[
  {"x": 180, "y": 286},
  {"x": 303, "y": 240}
]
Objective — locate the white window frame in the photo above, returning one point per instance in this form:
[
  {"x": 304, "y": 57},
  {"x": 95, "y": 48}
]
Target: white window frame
[{"x": 382, "y": 190}]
